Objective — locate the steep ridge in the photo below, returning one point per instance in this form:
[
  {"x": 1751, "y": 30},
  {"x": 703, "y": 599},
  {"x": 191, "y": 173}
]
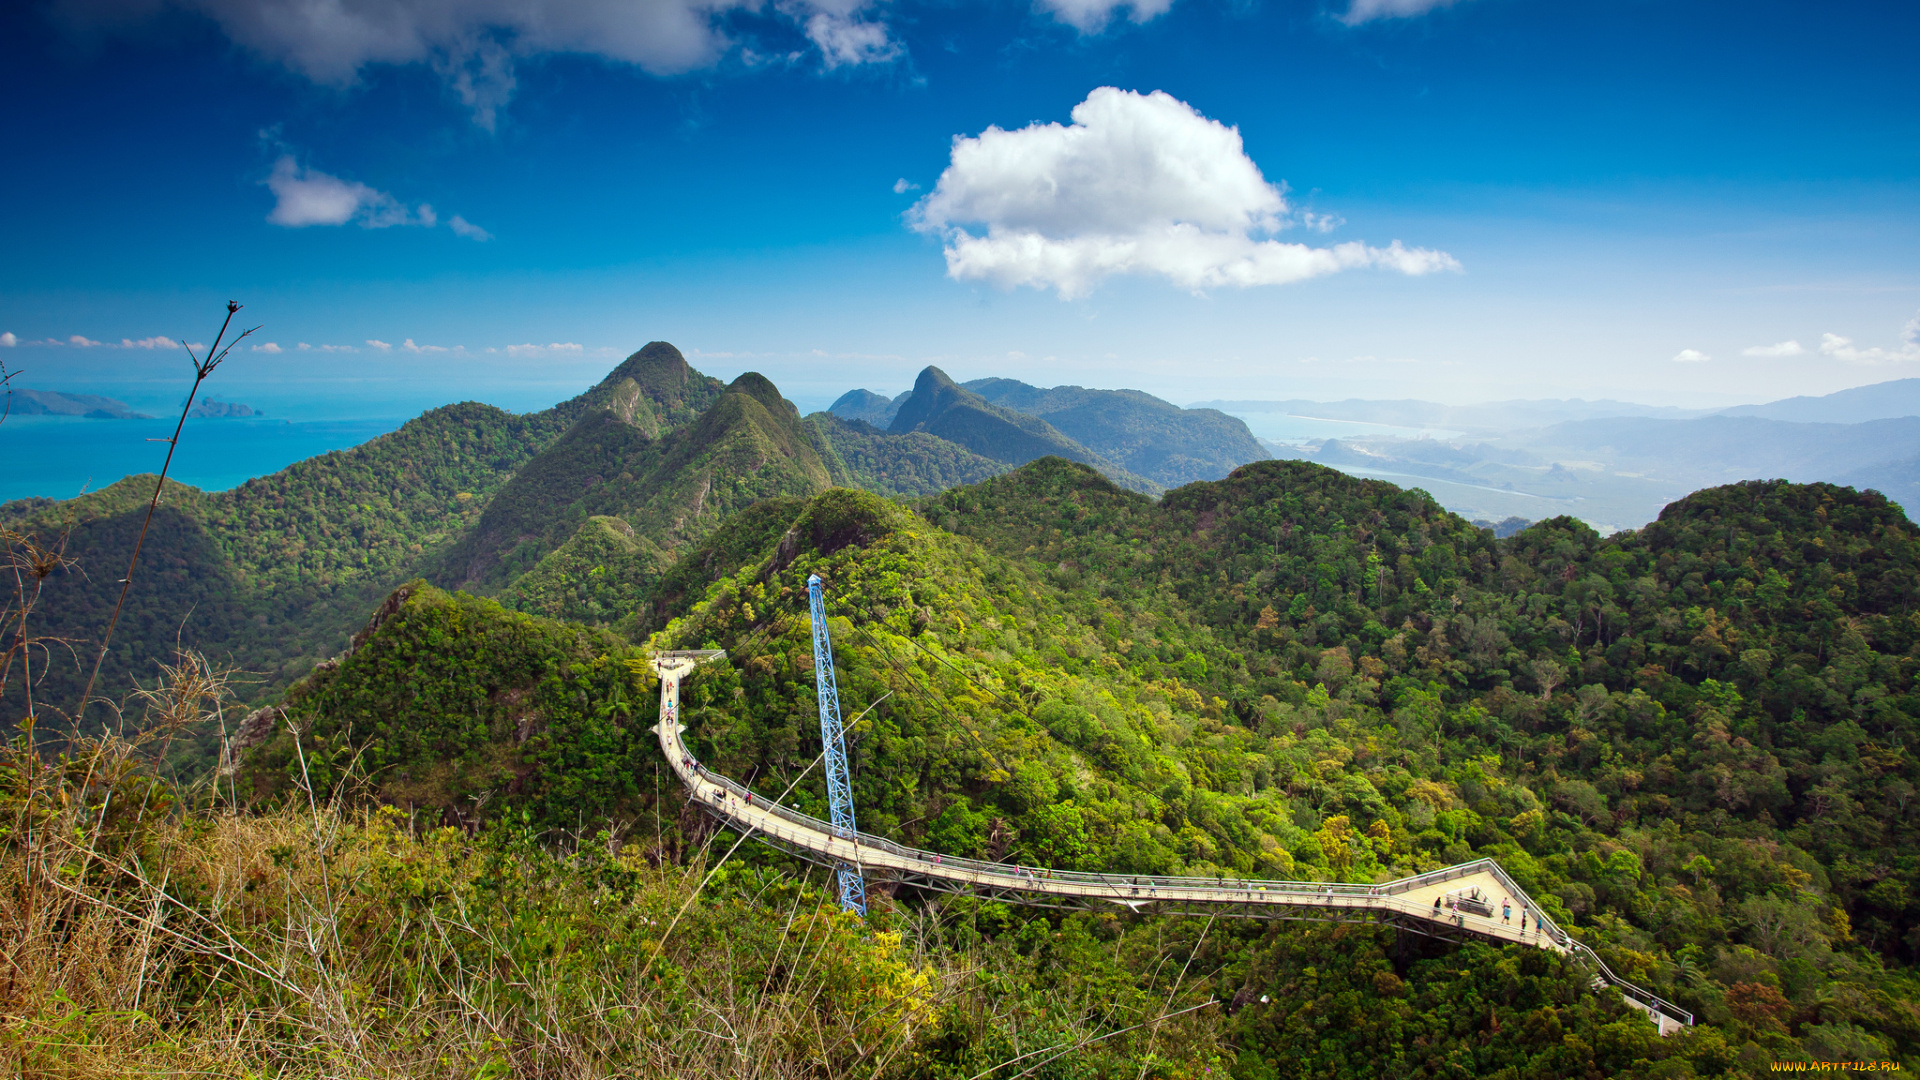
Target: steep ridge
[
  {"x": 1151, "y": 437},
  {"x": 939, "y": 406},
  {"x": 747, "y": 445},
  {"x": 654, "y": 391}
]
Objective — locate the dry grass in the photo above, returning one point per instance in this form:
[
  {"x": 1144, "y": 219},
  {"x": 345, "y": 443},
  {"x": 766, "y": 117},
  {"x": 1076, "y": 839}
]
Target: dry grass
[{"x": 330, "y": 938}]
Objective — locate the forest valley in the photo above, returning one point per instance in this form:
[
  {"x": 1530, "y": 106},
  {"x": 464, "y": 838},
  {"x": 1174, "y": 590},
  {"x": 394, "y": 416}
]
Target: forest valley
[{"x": 446, "y": 845}]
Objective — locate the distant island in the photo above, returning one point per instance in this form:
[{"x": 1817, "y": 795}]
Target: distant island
[
  {"x": 222, "y": 410},
  {"x": 54, "y": 403},
  {"x": 95, "y": 407}
]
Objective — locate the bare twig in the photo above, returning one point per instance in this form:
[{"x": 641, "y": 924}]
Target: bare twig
[{"x": 202, "y": 367}]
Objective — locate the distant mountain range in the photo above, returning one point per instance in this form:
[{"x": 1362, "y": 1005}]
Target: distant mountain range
[
  {"x": 1137, "y": 440},
  {"x": 1614, "y": 464},
  {"x": 1487, "y": 418},
  {"x": 1881, "y": 401}
]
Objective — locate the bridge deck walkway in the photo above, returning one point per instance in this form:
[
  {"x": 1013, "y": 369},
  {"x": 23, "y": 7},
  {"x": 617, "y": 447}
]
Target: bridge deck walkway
[{"x": 1429, "y": 902}]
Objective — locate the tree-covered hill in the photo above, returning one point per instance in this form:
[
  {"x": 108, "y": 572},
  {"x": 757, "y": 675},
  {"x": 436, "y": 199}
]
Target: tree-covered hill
[
  {"x": 860, "y": 455},
  {"x": 1689, "y": 743},
  {"x": 277, "y": 571},
  {"x": 875, "y": 409},
  {"x": 1156, "y": 439}
]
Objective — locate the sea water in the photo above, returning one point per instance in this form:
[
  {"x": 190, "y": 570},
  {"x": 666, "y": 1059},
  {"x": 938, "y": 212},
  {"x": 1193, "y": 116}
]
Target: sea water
[{"x": 60, "y": 456}]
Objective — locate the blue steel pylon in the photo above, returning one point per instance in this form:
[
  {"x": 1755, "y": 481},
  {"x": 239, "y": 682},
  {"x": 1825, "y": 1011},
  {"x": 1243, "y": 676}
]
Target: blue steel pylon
[{"x": 853, "y": 891}]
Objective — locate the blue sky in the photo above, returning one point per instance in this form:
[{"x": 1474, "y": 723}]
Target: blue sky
[{"x": 1676, "y": 202}]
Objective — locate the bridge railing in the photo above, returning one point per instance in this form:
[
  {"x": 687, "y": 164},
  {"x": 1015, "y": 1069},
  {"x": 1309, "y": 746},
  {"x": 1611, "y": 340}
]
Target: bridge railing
[
  {"x": 1121, "y": 884},
  {"x": 1127, "y": 886}
]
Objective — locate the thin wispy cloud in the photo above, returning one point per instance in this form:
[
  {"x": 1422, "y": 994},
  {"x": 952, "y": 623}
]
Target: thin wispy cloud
[
  {"x": 1137, "y": 184},
  {"x": 558, "y": 348},
  {"x": 1784, "y": 348},
  {"x": 1843, "y": 349},
  {"x": 1092, "y": 16},
  {"x": 843, "y": 33},
  {"x": 305, "y": 197},
  {"x": 462, "y": 227},
  {"x": 1362, "y": 11}
]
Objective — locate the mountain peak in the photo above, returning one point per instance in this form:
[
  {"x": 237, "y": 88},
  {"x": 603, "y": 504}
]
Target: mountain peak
[
  {"x": 655, "y": 390},
  {"x": 761, "y": 389},
  {"x": 932, "y": 393},
  {"x": 655, "y": 357}
]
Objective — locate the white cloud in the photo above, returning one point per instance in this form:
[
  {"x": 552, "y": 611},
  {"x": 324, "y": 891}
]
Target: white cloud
[
  {"x": 1784, "y": 348},
  {"x": 1137, "y": 184},
  {"x": 1092, "y": 16},
  {"x": 270, "y": 347},
  {"x": 8, "y": 341},
  {"x": 157, "y": 342},
  {"x": 561, "y": 348},
  {"x": 842, "y": 36},
  {"x": 304, "y": 347},
  {"x": 1690, "y": 356},
  {"x": 903, "y": 185},
  {"x": 474, "y": 45},
  {"x": 375, "y": 343},
  {"x": 80, "y": 342},
  {"x": 412, "y": 348},
  {"x": 1369, "y": 10},
  {"x": 1322, "y": 223},
  {"x": 462, "y": 227},
  {"x": 306, "y": 196},
  {"x": 1835, "y": 347}
]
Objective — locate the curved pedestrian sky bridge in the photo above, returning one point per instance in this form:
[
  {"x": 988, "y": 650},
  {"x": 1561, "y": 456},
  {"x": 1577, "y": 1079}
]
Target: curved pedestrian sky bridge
[{"x": 1472, "y": 899}]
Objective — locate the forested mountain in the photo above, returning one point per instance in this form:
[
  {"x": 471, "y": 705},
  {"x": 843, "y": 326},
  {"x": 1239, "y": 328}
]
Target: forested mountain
[
  {"x": 589, "y": 500},
  {"x": 1690, "y": 743},
  {"x": 275, "y": 573},
  {"x": 1158, "y": 440},
  {"x": 939, "y": 406},
  {"x": 748, "y": 444}
]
